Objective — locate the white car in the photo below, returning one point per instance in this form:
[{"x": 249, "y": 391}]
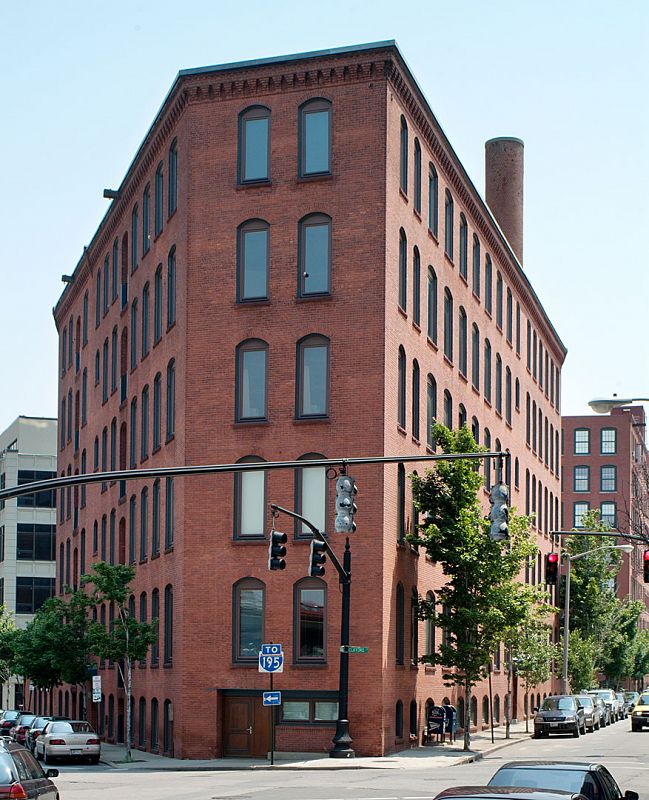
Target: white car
[{"x": 74, "y": 739}]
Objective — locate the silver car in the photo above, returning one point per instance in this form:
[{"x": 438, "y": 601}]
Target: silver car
[
  {"x": 610, "y": 701},
  {"x": 591, "y": 712},
  {"x": 74, "y": 739},
  {"x": 623, "y": 710}
]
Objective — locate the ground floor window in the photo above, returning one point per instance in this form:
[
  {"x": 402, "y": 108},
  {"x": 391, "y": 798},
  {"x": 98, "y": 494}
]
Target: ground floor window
[{"x": 308, "y": 711}]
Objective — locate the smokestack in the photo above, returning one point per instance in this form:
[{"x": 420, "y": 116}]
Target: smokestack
[{"x": 504, "y": 187}]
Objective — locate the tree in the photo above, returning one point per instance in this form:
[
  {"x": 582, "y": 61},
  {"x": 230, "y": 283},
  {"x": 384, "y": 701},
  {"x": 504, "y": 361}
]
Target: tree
[
  {"x": 616, "y": 660},
  {"x": 481, "y": 591},
  {"x": 640, "y": 664},
  {"x": 8, "y": 637},
  {"x": 581, "y": 661},
  {"x": 126, "y": 640}
]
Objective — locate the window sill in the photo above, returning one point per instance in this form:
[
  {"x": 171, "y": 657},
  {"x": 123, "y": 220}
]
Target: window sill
[
  {"x": 168, "y": 665},
  {"x": 154, "y": 556},
  {"x": 416, "y": 326},
  {"x": 256, "y": 184},
  {"x": 403, "y": 195},
  {"x": 487, "y": 403},
  {"x": 246, "y": 540},
  {"x": 172, "y": 214},
  {"x": 255, "y": 302},
  {"x": 433, "y": 237},
  {"x": 310, "y": 665},
  {"x": 171, "y": 326},
  {"x": 402, "y": 430},
  {"x": 415, "y": 440},
  {"x": 499, "y": 414},
  {"x": 155, "y": 450},
  {"x": 170, "y": 439},
  {"x": 253, "y": 423},
  {"x": 487, "y": 311},
  {"x": 245, "y": 664},
  {"x": 417, "y": 213},
  {"x": 169, "y": 549},
  {"x": 464, "y": 279},
  {"x": 449, "y": 259},
  {"x": 311, "y": 420},
  {"x": 463, "y": 377},
  {"x": 121, "y": 500},
  {"x": 508, "y": 424},
  {"x": 402, "y": 311},
  {"x": 310, "y": 298},
  {"x": 144, "y": 458},
  {"x": 475, "y": 390},
  {"x": 448, "y": 361},
  {"x": 316, "y": 176},
  {"x": 432, "y": 343}
]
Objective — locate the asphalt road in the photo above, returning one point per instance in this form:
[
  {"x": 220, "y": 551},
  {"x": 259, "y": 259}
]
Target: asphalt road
[{"x": 626, "y": 755}]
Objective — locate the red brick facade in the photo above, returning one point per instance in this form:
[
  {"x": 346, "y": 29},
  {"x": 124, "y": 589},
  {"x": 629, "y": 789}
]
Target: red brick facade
[
  {"x": 605, "y": 461},
  {"x": 370, "y": 90}
]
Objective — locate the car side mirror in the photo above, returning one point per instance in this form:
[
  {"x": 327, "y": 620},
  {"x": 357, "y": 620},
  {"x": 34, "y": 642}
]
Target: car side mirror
[
  {"x": 535, "y": 709},
  {"x": 54, "y": 773},
  {"x": 630, "y": 795}
]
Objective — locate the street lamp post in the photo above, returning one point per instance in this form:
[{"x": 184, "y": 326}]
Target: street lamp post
[
  {"x": 605, "y": 405},
  {"x": 627, "y": 548}
]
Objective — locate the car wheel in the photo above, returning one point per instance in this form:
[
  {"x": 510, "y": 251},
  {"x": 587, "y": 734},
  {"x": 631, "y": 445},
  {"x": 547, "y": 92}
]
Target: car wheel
[
  {"x": 37, "y": 754},
  {"x": 537, "y": 735},
  {"x": 47, "y": 759},
  {"x": 575, "y": 733},
  {"x": 94, "y": 759},
  {"x": 635, "y": 728}
]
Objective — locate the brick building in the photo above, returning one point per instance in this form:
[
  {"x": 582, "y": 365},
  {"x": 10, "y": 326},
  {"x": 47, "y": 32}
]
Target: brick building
[
  {"x": 605, "y": 463},
  {"x": 295, "y": 263}
]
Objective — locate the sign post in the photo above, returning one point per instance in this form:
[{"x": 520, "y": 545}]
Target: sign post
[
  {"x": 96, "y": 688},
  {"x": 271, "y": 660}
]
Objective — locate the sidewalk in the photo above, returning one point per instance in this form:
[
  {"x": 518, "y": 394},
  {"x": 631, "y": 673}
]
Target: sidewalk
[{"x": 431, "y": 757}]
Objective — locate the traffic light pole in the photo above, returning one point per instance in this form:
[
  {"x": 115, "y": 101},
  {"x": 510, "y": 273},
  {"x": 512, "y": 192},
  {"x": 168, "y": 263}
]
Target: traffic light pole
[{"x": 342, "y": 740}]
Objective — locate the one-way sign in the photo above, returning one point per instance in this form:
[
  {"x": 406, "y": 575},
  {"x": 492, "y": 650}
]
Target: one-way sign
[{"x": 272, "y": 699}]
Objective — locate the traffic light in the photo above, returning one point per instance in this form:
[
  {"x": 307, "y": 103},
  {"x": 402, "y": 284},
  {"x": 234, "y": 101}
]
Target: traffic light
[
  {"x": 551, "y": 568},
  {"x": 276, "y": 550},
  {"x": 317, "y": 558},
  {"x": 345, "y": 506},
  {"x": 646, "y": 566},
  {"x": 499, "y": 514}
]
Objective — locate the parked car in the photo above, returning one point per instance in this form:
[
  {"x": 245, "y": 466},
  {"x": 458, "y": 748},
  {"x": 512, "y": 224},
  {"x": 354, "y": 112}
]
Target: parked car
[
  {"x": 640, "y": 713},
  {"x": 7, "y": 721},
  {"x": 591, "y": 780},
  {"x": 631, "y": 699},
  {"x": 559, "y": 714},
  {"x": 610, "y": 700},
  {"x": 21, "y": 727},
  {"x": 621, "y": 705},
  {"x": 592, "y": 713},
  {"x": 36, "y": 728},
  {"x": 512, "y": 792},
  {"x": 604, "y": 710},
  {"x": 73, "y": 739},
  {"x": 22, "y": 776}
]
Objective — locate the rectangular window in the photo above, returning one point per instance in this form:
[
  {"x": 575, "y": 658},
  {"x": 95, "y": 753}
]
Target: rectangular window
[
  {"x": 42, "y": 499},
  {"x": 35, "y": 542},
  {"x": 315, "y": 130},
  {"x": 582, "y": 441},
  {"x": 253, "y": 262},
  {"x": 310, "y": 624},
  {"x": 31, "y": 593},
  {"x": 250, "y": 487},
  {"x": 169, "y": 513},
  {"x": 579, "y": 510},
  {"x": 582, "y": 479},
  {"x": 313, "y": 498},
  {"x": 309, "y": 711},
  {"x": 255, "y": 145},
  {"x": 607, "y": 514},
  {"x": 608, "y": 478},
  {"x": 608, "y": 441}
]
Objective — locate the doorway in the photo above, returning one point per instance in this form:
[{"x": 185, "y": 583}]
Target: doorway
[{"x": 246, "y": 727}]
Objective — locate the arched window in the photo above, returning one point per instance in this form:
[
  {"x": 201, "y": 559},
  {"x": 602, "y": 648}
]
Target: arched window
[
  {"x": 173, "y": 177},
  {"x": 169, "y": 513},
  {"x": 448, "y": 324},
  {"x": 167, "y": 728},
  {"x": 315, "y": 137},
  {"x": 146, "y": 292},
  {"x": 448, "y": 224},
  {"x": 401, "y": 503},
  {"x": 499, "y": 384},
  {"x": 159, "y": 199},
  {"x": 106, "y": 298},
  {"x": 417, "y": 200},
  {"x": 144, "y": 425},
  {"x": 476, "y": 266},
  {"x": 146, "y": 214},
  {"x": 464, "y": 246},
  {"x": 254, "y": 144},
  {"x": 475, "y": 357},
  {"x": 155, "y": 619},
  {"x": 398, "y": 720},
  {"x": 510, "y": 315},
  {"x": 113, "y": 361},
  {"x": 462, "y": 342},
  {"x": 508, "y": 395},
  {"x": 252, "y": 260},
  {"x": 171, "y": 287},
  {"x": 134, "y": 237},
  {"x": 84, "y": 324},
  {"x": 517, "y": 394},
  {"x": 448, "y": 409},
  {"x": 497, "y": 710},
  {"x": 310, "y": 620},
  {"x": 124, "y": 271},
  {"x": 114, "y": 282},
  {"x": 432, "y": 305},
  {"x": 132, "y": 527},
  {"x": 134, "y": 341},
  {"x": 475, "y": 430},
  {"x": 534, "y": 426},
  {"x": 251, "y": 380},
  {"x": 499, "y": 300},
  {"x": 415, "y": 399},
  {"x": 157, "y": 305},
  {"x": 98, "y": 300},
  {"x": 401, "y": 388},
  {"x": 403, "y": 269},
  {"x": 431, "y": 409},
  {"x": 311, "y": 493},
  {"x": 312, "y": 377},
  {"x": 430, "y": 624},
  {"x": 414, "y": 626},
  {"x": 171, "y": 399},
  {"x": 461, "y": 416},
  {"x": 432, "y": 200},
  {"x": 460, "y": 712},
  {"x": 155, "y": 519},
  {"x": 488, "y": 297},
  {"x": 141, "y": 723},
  {"x": 157, "y": 411},
  {"x": 400, "y": 623},
  {"x": 534, "y": 354},
  {"x": 485, "y": 710},
  {"x": 314, "y": 255},
  {"x": 248, "y": 628},
  {"x": 527, "y": 492},
  {"x": 154, "y": 725},
  {"x": 413, "y": 718},
  {"x": 403, "y": 160},
  {"x": 528, "y": 419},
  {"x": 487, "y": 370},
  {"x": 250, "y": 502},
  {"x": 516, "y": 473},
  {"x": 487, "y": 461},
  {"x": 416, "y": 287},
  {"x": 169, "y": 625},
  {"x": 474, "y": 710}
]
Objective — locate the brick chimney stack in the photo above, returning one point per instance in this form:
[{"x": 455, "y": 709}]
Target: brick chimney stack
[{"x": 504, "y": 187}]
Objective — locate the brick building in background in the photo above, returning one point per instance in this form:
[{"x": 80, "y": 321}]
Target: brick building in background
[
  {"x": 605, "y": 463},
  {"x": 295, "y": 264}
]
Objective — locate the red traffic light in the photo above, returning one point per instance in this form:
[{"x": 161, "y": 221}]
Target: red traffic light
[
  {"x": 553, "y": 558},
  {"x": 646, "y": 566},
  {"x": 551, "y": 568}
]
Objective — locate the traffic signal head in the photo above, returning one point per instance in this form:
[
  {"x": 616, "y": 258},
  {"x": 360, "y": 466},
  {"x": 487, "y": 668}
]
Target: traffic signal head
[
  {"x": 276, "y": 550},
  {"x": 317, "y": 558},
  {"x": 551, "y": 568},
  {"x": 345, "y": 506},
  {"x": 499, "y": 514},
  {"x": 646, "y": 566}
]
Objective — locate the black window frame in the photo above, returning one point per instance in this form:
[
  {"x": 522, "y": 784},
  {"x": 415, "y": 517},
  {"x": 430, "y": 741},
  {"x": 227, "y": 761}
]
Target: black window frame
[
  {"x": 247, "y": 583},
  {"x": 315, "y": 219},
  {"x": 306, "y": 584},
  {"x": 238, "y": 500},
  {"x": 249, "y": 345},
  {"x": 311, "y": 340},
  {"x": 251, "y": 226},
  {"x": 314, "y": 105},
  {"x": 255, "y": 112}
]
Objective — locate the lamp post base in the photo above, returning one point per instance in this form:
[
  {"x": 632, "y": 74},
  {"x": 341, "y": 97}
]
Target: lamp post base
[{"x": 342, "y": 741}]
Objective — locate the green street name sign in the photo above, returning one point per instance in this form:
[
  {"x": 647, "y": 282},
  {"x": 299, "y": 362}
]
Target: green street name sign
[{"x": 348, "y": 648}]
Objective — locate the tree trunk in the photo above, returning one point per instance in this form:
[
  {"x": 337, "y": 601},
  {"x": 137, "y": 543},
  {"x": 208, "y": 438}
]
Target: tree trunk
[
  {"x": 467, "y": 714},
  {"x": 128, "y": 686},
  {"x": 527, "y": 713}
]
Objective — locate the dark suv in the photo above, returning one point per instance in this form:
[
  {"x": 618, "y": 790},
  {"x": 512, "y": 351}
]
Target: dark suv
[
  {"x": 22, "y": 776},
  {"x": 560, "y": 714}
]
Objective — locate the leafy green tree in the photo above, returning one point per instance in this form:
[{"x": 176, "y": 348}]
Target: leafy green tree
[
  {"x": 640, "y": 663},
  {"x": 581, "y": 661},
  {"x": 481, "y": 588},
  {"x": 616, "y": 659},
  {"x": 127, "y": 640},
  {"x": 8, "y": 638}
]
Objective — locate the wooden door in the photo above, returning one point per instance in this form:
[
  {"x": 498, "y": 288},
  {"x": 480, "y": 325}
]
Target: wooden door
[{"x": 246, "y": 727}]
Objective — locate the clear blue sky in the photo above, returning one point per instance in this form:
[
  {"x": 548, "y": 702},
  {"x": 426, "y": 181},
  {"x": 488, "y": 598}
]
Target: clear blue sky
[{"x": 82, "y": 82}]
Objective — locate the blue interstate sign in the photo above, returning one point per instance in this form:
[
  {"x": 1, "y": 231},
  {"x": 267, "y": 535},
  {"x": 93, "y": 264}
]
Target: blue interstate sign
[
  {"x": 271, "y": 649},
  {"x": 272, "y": 698},
  {"x": 271, "y": 663}
]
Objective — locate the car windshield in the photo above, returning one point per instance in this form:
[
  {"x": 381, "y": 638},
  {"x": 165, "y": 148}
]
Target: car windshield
[
  {"x": 631, "y": 695},
  {"x": 644, "y": 700},
  {"x": 11, "y": 715},
  {"x": 26, "y": 719},
  {"x": 70, "y": 727},
  {"x": 557, "y": 704},
  {"x": 587, "y": 702},
  {"x": 545, "y": 778},
  {"x": 605, "y": 694},
  {"x": 40, "y": 722}
]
